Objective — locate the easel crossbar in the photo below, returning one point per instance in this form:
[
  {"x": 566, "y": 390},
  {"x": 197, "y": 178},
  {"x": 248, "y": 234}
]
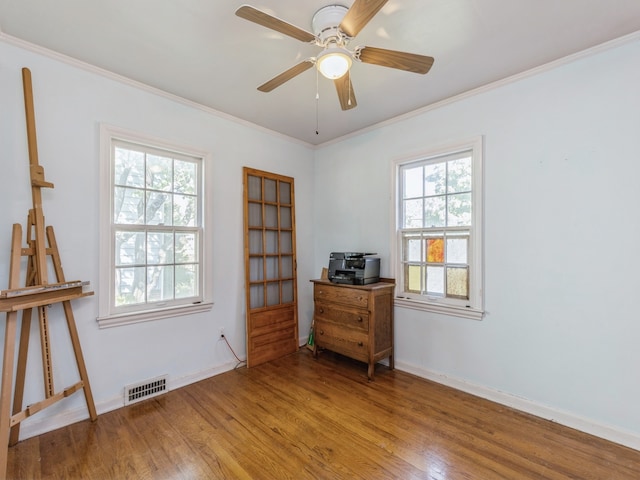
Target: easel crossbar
[
  {"x": 16, "y": 292},
  {"x": 41, "y": 298},
  {"x": 36, "y": 407}
]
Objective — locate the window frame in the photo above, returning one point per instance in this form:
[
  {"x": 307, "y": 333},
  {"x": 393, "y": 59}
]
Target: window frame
[
  {"x": 109, "y": 314},
  {"x": 472, "y": 308}
]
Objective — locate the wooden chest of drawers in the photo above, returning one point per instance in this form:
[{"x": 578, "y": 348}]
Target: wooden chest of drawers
[{"x": 354, "y": 320}]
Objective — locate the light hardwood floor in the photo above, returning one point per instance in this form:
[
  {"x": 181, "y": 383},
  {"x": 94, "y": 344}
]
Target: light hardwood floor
[{"x": 302, "y": 418}]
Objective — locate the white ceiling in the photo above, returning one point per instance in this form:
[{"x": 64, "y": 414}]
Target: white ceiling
[{"x": 201, "y": 51}]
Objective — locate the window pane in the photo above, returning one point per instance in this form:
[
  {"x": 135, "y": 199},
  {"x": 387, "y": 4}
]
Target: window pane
[
  {"x": 256, "y": 269},
  {"x": 128, "y": 206},
  {"x": 434, "y": 212},
  {"x": 459, "y": 175},
  {"x": 459, "y": 211},
  {"x": 287, "y": 291},
  {"x": 185, "y": 177},
  {"x": 159, "y": 173},
  {"x": 272, "y": 268},
  {"x": 412, "y": 213},
  {"x": 254, "y": 188},
  {"x": 436, "y": 224},
  {"x": 158, "y": 209},
  {"x": 435, "y": 281},
  {"x": 287, "y": 266},
  {"x": 255, "y": 215},
  {"x": 186, "y": 281},
  {"x": 128, "y": 168},
  {"x": 273, "y": 293},
  {"x": 130, "y": 286},
  {"x": 285, "y": 217},
  {"x": 270, "y": 190},
  {"x": 412, "y": 182},
  {"x": 155, "y": 192},
  {"x": 159, "y": 283},
  {"x": 255, "y": 241},
  {"x": 458, "y": 282},
  {"x": 185, "y": 210},
  {"x": 413, "y": 248},
  {"x": 272, "y": 242},
  {"x": 186, "y": 247},
  {"x": 413, "y": 278},
  {"x": 435, "y": 250},
  {"x": 271, "y": 216},
  {"x": 130, "y": 248},
  {"x": 435, "y": 179},
  {"x": 159, "y": 248},
  {"x": 286, "y": 244},
  {"x": 285, "y": 193},
  {"x": 256, "y": 294},
  {"x": 457, "y": 249}
]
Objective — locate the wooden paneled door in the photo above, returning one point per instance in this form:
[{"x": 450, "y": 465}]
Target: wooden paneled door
[{"x": 270, "y": 266}]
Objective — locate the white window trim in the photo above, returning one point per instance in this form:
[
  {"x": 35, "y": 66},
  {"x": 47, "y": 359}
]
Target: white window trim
[
  {"x": 475, "y": 310},
  {"x": 106, "y": 318}
]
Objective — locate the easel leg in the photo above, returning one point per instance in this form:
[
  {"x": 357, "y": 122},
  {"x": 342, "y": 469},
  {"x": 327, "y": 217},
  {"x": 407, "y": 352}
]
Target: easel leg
[
  {"x": 77, "y": 350},
  {"x": 7, "y": 380},
  {"x": 9, "y": 351},
  {"x": 18, "y": 395},
  {"x": 71, "y": 323}
]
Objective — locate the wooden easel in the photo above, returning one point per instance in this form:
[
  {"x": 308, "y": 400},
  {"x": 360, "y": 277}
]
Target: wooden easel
[{"x": 37, "y": 294}]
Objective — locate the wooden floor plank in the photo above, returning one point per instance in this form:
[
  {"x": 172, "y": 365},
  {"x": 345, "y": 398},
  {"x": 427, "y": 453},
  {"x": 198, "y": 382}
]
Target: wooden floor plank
[{"x": 304, "y": 418}]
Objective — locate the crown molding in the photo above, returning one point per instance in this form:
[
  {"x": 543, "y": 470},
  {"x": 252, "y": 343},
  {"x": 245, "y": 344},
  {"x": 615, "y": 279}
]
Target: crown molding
[
  {"x": 74, "y": 62},
  {"x": 611, "y": 44}
]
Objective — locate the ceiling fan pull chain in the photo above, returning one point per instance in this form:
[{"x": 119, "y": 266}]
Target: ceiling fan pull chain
[
  {"x": 317, "y": 100},
  {"x": 349, "y": 73}
]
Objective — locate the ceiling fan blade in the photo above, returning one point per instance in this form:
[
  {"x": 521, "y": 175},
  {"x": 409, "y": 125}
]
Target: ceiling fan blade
[
  {"x": 359, "y": 15},
  {"x": 286, "y": 76},
  {"x": 346, "y": 96},
  {"x": 410, "y": 62},
  {"x": 261, "y": 18}
]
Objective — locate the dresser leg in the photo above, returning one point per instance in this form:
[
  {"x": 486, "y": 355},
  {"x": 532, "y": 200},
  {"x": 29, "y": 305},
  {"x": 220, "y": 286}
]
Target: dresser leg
[{"x": 370, "y": 371}]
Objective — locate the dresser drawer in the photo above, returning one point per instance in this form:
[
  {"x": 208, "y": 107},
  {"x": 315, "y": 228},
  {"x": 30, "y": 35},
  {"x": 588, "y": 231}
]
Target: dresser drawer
[
  {"x": 346, "y": 296},
  {"x": 352, "y": 343},
  {"x": 347, "y": 318}
]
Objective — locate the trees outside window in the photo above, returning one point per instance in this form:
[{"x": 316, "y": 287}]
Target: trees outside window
[
  {"x": 154, "y": 246},
  {"x": 438, "y": 229}
]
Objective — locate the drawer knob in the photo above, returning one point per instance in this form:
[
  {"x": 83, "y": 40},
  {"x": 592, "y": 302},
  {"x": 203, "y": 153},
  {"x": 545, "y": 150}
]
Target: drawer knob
[
  {"x": 321, "y": 310},
  {"x": 360, "y": 319},
  {"x": 360, "y": 344},
  {"x": 321, "y": 332}
]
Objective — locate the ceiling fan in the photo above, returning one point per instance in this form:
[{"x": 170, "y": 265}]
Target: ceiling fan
[{"x": 334, "y": 27}]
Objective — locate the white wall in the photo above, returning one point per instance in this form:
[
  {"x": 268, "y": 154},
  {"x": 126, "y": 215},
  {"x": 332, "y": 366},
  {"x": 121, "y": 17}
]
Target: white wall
[
  {"x": 70, "y": 103},
  {"x": 561, "y": 332}
]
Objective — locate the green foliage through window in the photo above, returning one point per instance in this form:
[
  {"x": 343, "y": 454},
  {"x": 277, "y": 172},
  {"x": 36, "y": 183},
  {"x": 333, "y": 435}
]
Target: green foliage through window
[{"x": 156, "y": 214}]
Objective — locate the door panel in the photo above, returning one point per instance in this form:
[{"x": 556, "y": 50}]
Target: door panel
[{"x": 270, "y": 266}]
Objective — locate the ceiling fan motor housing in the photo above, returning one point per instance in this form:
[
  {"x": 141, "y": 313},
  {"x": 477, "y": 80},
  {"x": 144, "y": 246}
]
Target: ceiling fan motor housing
[{"x": 325, "y": 24}]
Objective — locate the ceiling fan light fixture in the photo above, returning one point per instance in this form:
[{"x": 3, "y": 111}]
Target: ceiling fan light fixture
[{"x": 334, "y": 63}]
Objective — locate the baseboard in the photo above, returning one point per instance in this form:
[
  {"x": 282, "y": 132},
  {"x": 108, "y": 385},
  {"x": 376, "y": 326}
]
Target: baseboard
[
  {"x": 34, "y": 426},
  {"x": 568, "y": 419}
]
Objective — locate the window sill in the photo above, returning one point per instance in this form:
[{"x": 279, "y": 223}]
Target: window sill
[
  {"x": 463, "y": 312},
  {"x": 147, "y": 315}
]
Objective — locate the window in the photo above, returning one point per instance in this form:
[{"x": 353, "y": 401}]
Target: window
[
  {"x": 153, "y": 237},
  {"x": 438, "y": 231}
]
